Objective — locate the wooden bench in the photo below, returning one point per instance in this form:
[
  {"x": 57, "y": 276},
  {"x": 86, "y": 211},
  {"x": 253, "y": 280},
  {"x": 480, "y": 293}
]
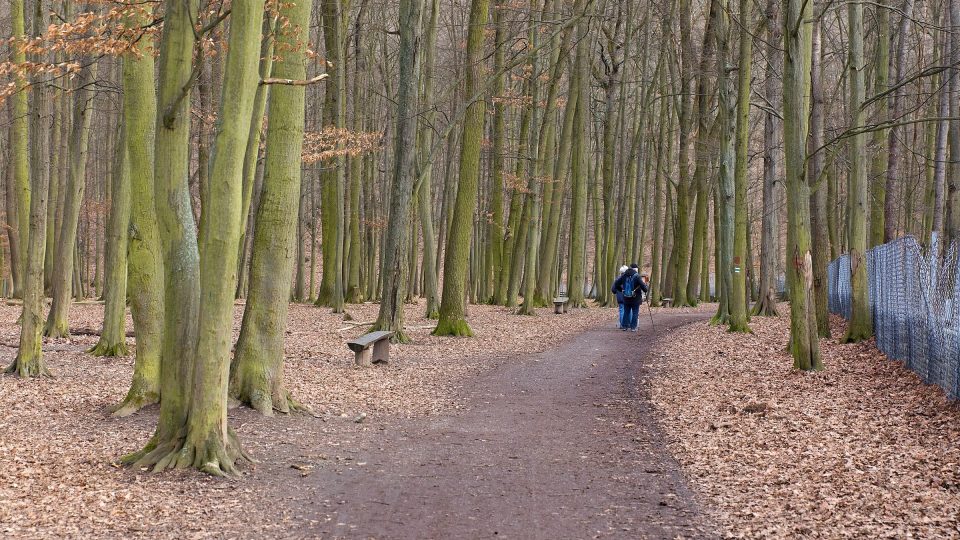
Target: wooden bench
[
  {"x": 372, "y": 348},
  {"x": 560, "y": 305},
  {"x": 665, "y": 302}
]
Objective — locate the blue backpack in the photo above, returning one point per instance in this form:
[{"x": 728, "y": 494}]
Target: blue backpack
[{"x": 630, "y": 287}]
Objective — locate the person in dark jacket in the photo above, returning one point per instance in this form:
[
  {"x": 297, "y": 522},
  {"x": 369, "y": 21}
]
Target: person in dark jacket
[
  {"x": 623, "y": 269},
  {"x": 631, "y": 286}
]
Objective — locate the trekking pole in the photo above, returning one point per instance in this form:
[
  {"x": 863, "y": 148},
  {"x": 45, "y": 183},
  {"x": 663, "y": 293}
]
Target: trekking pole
[{"x": 650, "y": 311}]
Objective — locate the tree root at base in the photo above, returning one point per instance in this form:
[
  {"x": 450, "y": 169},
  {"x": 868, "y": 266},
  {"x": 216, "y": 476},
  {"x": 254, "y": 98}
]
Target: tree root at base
[
  {"x": 112, "y": 350},
  {"x": 266, "y": 403},
  {"x": 456, "y": 328},
  {"x": 28, "y": 369},
  {"x": 210, "y": 455},
  {"x": 135, "y": 400}
]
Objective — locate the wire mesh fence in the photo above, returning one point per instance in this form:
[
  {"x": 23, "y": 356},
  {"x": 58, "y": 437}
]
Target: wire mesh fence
[{"x": 914, "y": 304}]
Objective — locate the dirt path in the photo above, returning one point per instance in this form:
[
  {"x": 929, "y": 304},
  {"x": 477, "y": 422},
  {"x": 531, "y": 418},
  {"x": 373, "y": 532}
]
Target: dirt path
[{"x": 558, "y": 445}]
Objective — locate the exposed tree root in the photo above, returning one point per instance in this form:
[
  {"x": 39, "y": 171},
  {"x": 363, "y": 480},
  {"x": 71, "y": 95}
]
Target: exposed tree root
[
  {"x": 740, "y": 329},
  {"x": 719, "y": 319},
  {"x": 433, "y": 313},
  {"x": 109, "y": 350},
  {"x": 354, "y": 296},
  {"x": 266, "y": 402},
  {"x": 56, "y": 329},
  {"x": 766, "y": 306},
  {"x": 456, "y": 328},
  {"x": 400, "y": 337},
  {"x": 137, "y": 398},
  {"x": 210, "y": 455},
  {"x": 35, "y": 367}
]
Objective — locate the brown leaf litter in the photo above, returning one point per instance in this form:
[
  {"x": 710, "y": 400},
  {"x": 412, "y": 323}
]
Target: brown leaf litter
[
  {"x": 863, "y": 449},
  {"x": 59, "y": 445}
]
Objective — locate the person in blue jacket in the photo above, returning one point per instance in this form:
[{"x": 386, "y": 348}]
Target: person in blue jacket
[
  {"x": 623, "y": 270},
  {"x": 631, "y": 286}
]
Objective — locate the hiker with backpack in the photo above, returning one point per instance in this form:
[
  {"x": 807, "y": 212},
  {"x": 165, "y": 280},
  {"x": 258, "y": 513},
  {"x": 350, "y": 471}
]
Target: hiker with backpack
[
  {"x": 623, "y": 270},
  {"x": 631, "y": 286}
]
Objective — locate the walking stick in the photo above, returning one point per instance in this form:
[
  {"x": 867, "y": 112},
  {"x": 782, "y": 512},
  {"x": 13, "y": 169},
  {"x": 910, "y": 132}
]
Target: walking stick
[{"x": 650, "y": 311}]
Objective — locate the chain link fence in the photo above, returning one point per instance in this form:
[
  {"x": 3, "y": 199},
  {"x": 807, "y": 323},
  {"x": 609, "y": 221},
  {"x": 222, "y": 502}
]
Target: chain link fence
[{"x": 914, "y": 303}]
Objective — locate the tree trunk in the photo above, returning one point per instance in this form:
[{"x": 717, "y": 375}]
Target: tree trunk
[
  {"x": 64, "y": 262},
  {"x": 29, "y": 361},
  {"x": 20, "y": 150},
  {"x": 331, "y": 292},
  {"x": 256, "y": 375},
  {"x": 726, "y": 190},
  {"x": 396, "y": 245},
  {"x": 881, "y": 82},
  {"x": 798, "y": 20},
  {"x": 113, "y": 338},
  {"x": 818, "y": 199},
  {"x": 452, "y": 309},
  {"x": 766, "y": 305},
  {"x": 192, "y": 430},
  {"x": 144, "y": 251},
  {"x": 861, "y": 321},
  {"x": 252, "y": 153},
  {"x": 739, "y": 292},
  {"x": 895, "y": 148},
  {"x": 578, "y": 174}
]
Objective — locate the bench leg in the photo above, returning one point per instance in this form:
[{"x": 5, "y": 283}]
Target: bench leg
[
  {"x": 558, "y": 309},
  {"x": 381, "y": 351},
  {"x": 364, "y": 358},
  {"x": 565, "y": 309}
]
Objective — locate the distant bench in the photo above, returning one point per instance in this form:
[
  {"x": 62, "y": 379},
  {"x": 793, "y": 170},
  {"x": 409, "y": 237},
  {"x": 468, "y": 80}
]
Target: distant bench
[
  {"x": 372, "y": 348},
  {"x": 560, "y": 305}
]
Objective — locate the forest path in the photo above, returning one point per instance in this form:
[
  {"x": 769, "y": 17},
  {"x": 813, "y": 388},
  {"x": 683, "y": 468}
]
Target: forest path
[{"x": 561, "y": 444}]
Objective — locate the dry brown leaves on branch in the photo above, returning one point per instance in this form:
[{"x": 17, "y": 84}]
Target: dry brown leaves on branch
[
  {"x": 59, "y": 445},
  {"x": 334, "y": 142},
  {"x": 863, "y": 449}
]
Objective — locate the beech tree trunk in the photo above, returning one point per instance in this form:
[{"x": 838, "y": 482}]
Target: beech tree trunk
[
  {"x": 256, "y": 374},
  {"x": 452, "y": 321}
]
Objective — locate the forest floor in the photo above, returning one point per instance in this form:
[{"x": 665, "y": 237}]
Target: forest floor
[
  {"x": 448, "y": 398},
  {"x": 863, "y": 449}
]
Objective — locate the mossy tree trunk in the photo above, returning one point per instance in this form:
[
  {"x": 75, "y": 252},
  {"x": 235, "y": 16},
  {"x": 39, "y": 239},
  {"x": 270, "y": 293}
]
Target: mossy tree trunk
[
  {"x": 29, "y": 361},
  {"x": 797, "y": 37},
  {"x": 726, "y": 190},
  {"x": 252, "y": 153},
  {"x": 861, "y": 321},
  {"x": 354, "y": 294},
  {"x": 144, "y": 251},
  {"x": 65, "y": 258},
  {"x": 396, "y": 245},
  {"x": 331, "y": 293},
  {"x": 452, "y": 320},
  {"x": 738, "y": 273},
  {"x": 192, "y": 430},
  {"x": 881, "y": 112},
  {"x": 819, "y": 195},
  {"x": 579, "y": 165},
  {"x": 256, "y": 375},
  {"x": 113, "y": 337},
  {"x": 681, "y": 237},
  {"x": 894, "y": 143},
  {"x": 766, "y": 305},
  {"x": 703, "y": 159},
  {"x": 19, "y": 153},
  {"x": 425, "y": 170},
  {"x": 495, "y": 245}
]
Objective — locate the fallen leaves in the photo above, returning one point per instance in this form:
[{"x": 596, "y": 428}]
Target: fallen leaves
[
  {"x": 862, "y": 449},
  {"x": 59, "y": 445}
]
